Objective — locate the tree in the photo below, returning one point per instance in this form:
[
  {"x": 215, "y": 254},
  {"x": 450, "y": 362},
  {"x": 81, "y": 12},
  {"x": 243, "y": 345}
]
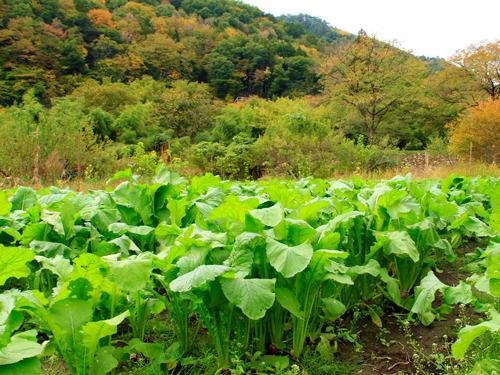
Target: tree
[
  {"x": 187, "y": 108},
  {"x": 163, "y": 56},
  {"x": 101, "y": 17},
  {"x": 479, "y": 126},
  {"x": 481, "y": 62},
  {"x": 373, "y": 78},
  {"x": 222, "y": 75}
]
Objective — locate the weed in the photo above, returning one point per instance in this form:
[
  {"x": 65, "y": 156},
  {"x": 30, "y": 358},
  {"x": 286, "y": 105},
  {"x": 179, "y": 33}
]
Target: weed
[{"x": 314, "y": 363}]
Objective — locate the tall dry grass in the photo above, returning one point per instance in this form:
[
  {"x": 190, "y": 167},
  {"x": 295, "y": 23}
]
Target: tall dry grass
[{"x": 436, "y": 172}]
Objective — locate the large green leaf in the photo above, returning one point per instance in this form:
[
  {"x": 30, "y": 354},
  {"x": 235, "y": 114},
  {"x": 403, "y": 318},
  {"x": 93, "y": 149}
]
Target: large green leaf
[
  {"x": 211, "y": 239},
  {"x": 52, "y": 201},
  {"x": 207, "y": 202},
  {"x": 121, "y": 228},
  {"x": 372, "y": 268},
  {"x": 334, "y": 309},
  {"x": 52, "y": 249},
  {"x": 289, "y": 301},
  {"x": 199, "y": 185},
  {"x": 495, "y": 198},
  {"x": 125, "y": 244},
  {"x": 425, "y": 295},
  {"x": 288, "y": 260},
  {"x": 13, "y": 262},
  {"x": 177, "y": 210},
  {"x": 23, "y": 198},
  {"x": 54, "y": 219},
  {"x": 21, "y": 346},
  {"x": 479, "y": 228},
  {"x": 462, "y": 293},
  {"x": 328, "y": 240},
  {"x": 148, "y": 350},
  {"x": 89, "y": 267},
  {"x": 28, "y": 366},
  {"x": 241, "y": 257},
  {"x": 320, "y": 259},
  {"x": 294, "y": 232},
  {"x": 70, "y": 315},
  {"x": 131, "y": 274},
  {"x": 392, "y": 286},
  {"x": 271, "y": 216},
  {"x": 138, "y": 199},
  {"x": 104, "y": 361},
  {"x": 197, "y": 277},
  {"x": 252, "y": 296},
  {"x": 5, "y": 205},
  {"x": 399, "y": 243},
  {"x": 103, "y": 218},
  {"x": 375, "y": 196},
  {"x": 58, "y": 265},
  {"x": 167, "y": 234},
  {"x": 309, "y": 211},
  {"x": 470, "y": 333},
  {"x": 287, "y": 198},
  {"x": 73, "y": 207},
  {"x": 11, "y": 319},
  {"x": 345, "y": 217},
  {"x": 92, "y": 332},
  {"x": 233, "y": 209},
  {"x": 397, "y": 202},
  {"x": 127, "y": 173}
]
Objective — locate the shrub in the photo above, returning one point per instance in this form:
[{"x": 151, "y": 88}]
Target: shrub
[
  {"x": 236, "y": 160},
  {"x": 37, "y": 142}
]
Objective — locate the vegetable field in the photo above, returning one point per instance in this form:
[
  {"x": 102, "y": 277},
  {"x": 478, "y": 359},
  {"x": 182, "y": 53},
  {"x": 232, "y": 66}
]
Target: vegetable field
[{"x": 260, "y": 268}]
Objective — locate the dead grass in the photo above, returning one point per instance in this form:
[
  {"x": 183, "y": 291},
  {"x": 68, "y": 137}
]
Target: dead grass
[{"x": 419, "y": 173}]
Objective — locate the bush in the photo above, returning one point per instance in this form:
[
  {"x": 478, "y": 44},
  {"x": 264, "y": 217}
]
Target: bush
[
  {"x": 37, "y": 142},
  {"x": 236, "y": 160},
  {"x": 437, "y": 146},
  {"x": 380, "y": 154}
]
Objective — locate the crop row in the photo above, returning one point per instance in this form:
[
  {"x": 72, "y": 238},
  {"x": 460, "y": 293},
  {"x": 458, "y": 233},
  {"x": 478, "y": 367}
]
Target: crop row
[{"x": 254, "y": 262}]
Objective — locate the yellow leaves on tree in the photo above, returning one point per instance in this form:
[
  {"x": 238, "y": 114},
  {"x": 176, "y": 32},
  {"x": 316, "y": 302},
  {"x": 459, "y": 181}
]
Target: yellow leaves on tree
[
  {"x": 480, "y": 126},
  {"x": 374, "y": 79},
  {"x": 160, "y": 25},
  {"x": 140, "y": 10},
  {"x": 231, "y": 32},
  {"x": 101, "y": 17},
  {"x": 67, "y": 6},
  {"x": 311, "y": 51},
  {"x": 481, "y": 62}
]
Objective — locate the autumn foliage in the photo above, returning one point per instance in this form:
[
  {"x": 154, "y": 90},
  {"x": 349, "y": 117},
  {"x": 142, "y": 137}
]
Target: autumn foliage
[
  {"x": 479, "y": 126},
  {"x": 101, "y": 17}
]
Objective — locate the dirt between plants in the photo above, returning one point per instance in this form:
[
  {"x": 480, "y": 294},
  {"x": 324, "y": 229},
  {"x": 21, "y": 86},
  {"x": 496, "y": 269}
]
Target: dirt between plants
[{"x": 388, "y": 350}]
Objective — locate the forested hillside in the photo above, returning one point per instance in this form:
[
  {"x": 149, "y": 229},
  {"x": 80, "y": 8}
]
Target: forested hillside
[
  {"x": 120, "y": 80},
  {"x": 52, "y": 45}
]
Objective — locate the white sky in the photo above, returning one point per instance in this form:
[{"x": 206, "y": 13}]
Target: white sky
[{"x": 427, "y": 27}]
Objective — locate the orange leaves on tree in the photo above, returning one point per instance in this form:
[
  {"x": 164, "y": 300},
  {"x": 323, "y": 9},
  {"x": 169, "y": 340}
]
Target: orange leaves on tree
[
  {"x": 101, "y": 17},
  {"x": 480, "y": 126}
]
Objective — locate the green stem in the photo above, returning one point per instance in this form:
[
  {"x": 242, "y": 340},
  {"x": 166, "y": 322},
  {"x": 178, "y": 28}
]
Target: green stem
[
  {"x": 112, "y": 312},
  {"x": 301, "y": 327}
]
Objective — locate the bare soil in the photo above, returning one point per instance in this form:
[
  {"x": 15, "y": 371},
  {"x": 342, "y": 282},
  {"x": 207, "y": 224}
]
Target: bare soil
[{"x": 389, "y": 351}]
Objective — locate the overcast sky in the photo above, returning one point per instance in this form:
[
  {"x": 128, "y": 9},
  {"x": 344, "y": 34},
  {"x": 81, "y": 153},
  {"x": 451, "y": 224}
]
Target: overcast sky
[{"x": 427, "y": 27}]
